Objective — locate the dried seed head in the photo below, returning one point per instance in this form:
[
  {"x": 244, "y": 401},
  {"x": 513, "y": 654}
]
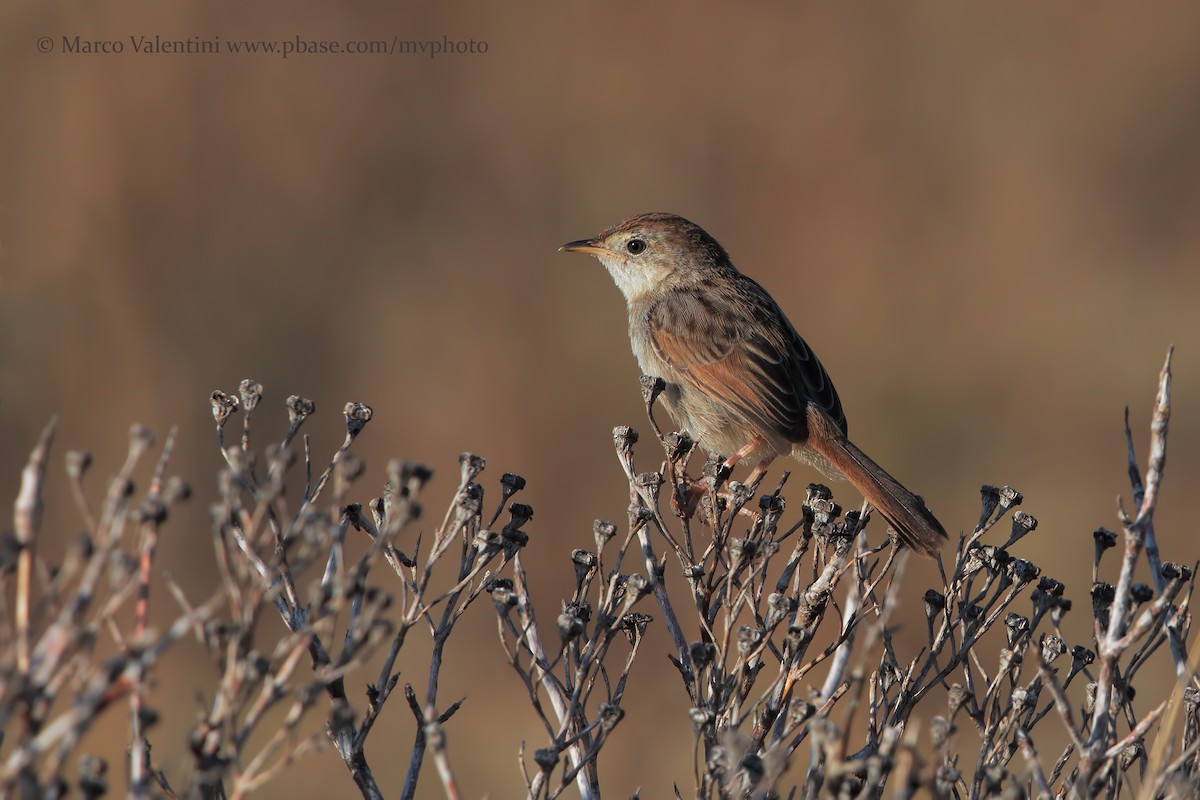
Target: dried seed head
[
  {"x": 1081, "y": 657},
  {"x": 635, "y": 626},
  {"x": 1023, "y": 571},
  {"x": 223, "y": 407},
  {"x": 1051, "y": 587},
  {"x": 299, "y": 409},
  {"x": 956, "y": 697},
  {"x": 251, "y": 392},
  {"x": 679, "y": 446},
  {"x": 610, "y": 715},
  {"x": 935, "y": 603},
  {"x": 652, "y": 387},
  {"x": 350, "y": 468},
  {"x": 470, "y": 499},
  {"x": 604, "y": 531},
  {"x": 990, "y": 499},
  {"x": 1010, "y": 497},
  {"x": 778, "y": 607},
  {"x": 177, "y": 490},
  {"x": 649, "y": 483},
  {"x": 702, "y": 653},
  {"x": 470, "y": 465},
  {"x": 940, "y": 730},
  {"x": 570, "y": 627},
  {"x": 584, "y": 562},
  {"x": 946, "y": 779},
  {"x": 357, "y": 416},
  {"x": 1017, "y": 626},
  {"x": 510, "y": 484},
  {"x": 1141, "y": 593},
  {"x": 1052, "y": 648},
  {"x": 141, "y": 439},
  {"x": 1172, "y": 571},
  {"x": 749, "y": 638},
  {"x": 78, "y": 462},
  {"x": 800, "y": 711},
  {"x": 796, "y": 641},
  {"x": 701, "y": 718},
  {"x": 1103, "y": 594},
  {"x": 1104, "y": 540},
  {"x": 1022, "y": 524},
  {"x": 546, "y": 758},
  {"x": 636, "y": 587},
  {"x": 624, "y": 438}
]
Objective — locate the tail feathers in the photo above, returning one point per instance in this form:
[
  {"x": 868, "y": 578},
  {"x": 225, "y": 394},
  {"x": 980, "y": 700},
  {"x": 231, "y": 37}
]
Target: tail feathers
[{"x": 914, "y": 523}]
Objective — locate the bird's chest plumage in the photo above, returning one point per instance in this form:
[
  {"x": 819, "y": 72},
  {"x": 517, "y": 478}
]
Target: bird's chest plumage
[{"x": 709, "y": 422}]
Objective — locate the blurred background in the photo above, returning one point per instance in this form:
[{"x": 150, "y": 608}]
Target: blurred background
[{"x": 984, "y": 220}]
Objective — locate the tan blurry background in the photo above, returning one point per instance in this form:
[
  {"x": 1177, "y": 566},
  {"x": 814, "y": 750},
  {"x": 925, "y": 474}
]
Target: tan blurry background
[{"x": 985, "y": 220}]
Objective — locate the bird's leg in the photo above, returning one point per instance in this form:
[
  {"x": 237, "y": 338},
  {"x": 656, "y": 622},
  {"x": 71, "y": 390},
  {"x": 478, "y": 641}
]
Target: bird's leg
[
  {"x": 726, "y": 469},
  {"x": 685, "y": 502}
]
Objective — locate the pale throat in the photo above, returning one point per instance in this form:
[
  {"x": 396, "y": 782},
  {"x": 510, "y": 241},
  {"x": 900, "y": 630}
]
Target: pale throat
[{"x": 634, "y": 283}]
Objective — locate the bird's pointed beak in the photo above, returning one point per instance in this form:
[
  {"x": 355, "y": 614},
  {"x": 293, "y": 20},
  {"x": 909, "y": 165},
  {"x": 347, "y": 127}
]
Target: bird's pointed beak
[{"x": 591, "y": 246}]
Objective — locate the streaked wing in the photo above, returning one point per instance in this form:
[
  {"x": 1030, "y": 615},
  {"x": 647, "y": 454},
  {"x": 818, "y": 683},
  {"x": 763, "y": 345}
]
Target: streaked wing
[{"x": 753, "y": 362}]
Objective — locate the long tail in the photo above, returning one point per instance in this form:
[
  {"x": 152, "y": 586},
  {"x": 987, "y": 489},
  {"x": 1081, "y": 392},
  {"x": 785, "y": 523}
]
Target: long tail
[{"x": 914, "y": 523}]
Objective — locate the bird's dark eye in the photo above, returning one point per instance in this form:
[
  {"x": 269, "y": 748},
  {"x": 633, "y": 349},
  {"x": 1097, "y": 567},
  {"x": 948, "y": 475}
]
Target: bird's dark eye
[{"x": 635, "y": 246}]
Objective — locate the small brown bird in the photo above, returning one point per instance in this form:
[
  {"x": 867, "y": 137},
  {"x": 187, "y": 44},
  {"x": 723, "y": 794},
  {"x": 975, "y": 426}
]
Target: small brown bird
[{"x": 739, "y": 378}]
